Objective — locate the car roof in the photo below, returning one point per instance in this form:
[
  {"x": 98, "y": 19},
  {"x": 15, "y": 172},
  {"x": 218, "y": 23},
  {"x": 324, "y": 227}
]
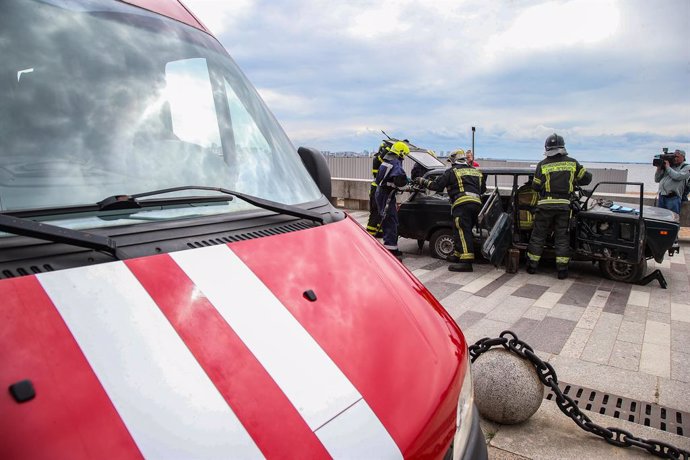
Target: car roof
[
  {"x": 508, "y": 171},
  {"x": 502, "y": 171},
  {"x": 173, "y": 9}
]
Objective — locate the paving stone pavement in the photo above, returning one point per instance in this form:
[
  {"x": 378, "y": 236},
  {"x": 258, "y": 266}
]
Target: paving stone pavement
[{"x": 628, "y": 340}]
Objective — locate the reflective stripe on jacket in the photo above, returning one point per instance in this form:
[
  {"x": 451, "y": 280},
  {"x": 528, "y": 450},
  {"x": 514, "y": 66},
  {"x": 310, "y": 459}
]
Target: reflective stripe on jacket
[
  {"x": 391, "y": 173},
  {"x": 555, "y": 179},
  {"x": 376, "y": 163},
  {"x": 465, "y": 184}
]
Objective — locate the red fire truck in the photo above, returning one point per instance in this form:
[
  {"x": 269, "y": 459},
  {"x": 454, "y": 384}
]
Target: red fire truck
[{"x": 174, "y": 281}]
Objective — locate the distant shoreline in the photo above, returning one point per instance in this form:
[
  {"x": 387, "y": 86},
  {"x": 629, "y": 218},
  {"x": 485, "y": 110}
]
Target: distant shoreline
[{"x": 520, "y": 160}]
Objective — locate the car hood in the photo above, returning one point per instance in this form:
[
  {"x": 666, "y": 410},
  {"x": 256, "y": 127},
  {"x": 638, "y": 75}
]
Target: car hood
[
  {"x": 661, "y": 214},
  {"x": 312, "y": 343}
]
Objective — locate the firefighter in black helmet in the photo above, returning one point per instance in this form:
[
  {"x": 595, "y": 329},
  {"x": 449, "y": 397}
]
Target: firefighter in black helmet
[
  {"x": 374, "y": 222},
  {"x": 554, "y": 179},
  {"x": 465, "y": 186}
]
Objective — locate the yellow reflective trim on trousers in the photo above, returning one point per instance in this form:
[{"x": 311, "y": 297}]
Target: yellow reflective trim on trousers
[
  {"x": 553, "y": 201},
  {"x": 467, "y": 199},
  {"x": 463, "y": 243},
  {"x": 562, "y": 260},
  {"x": 533, "y": 257},
  {"x": 374, "y": 184}
]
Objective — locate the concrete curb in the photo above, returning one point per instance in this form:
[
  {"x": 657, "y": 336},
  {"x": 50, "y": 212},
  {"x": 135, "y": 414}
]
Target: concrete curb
[{"x": 551, "y": 434}]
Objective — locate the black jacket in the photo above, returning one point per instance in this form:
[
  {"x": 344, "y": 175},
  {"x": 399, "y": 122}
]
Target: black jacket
[
  {"x": 465, "y": 184},
  {"x": 555, "y": 179}
]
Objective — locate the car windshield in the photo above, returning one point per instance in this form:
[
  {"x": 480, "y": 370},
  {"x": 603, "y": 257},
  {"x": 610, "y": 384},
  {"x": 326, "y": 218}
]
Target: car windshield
[
  {"x": 426, "y": 159},
  {"x": 99, "y": 99}
]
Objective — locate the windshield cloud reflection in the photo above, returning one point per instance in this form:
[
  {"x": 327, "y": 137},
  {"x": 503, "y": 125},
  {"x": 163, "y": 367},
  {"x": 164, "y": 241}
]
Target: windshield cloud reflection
[{"x": 120, "y": 101}]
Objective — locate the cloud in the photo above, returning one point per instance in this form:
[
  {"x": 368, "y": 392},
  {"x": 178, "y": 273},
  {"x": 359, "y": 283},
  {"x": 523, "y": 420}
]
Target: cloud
[
  {"x": 335, "y": 73},
  {"x": 220, "y": 15},
  {"x": 557, "y": 25}
]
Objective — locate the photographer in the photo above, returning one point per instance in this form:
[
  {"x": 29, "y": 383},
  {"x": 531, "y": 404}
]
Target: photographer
[{"x": 671, "y": 174}]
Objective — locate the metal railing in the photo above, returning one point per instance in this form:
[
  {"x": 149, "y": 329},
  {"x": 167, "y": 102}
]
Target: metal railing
[{"x": 360, "y": 168}]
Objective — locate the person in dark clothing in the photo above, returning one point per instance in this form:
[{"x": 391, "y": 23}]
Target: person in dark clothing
[
  {"x": 465, "y": 186},
  {"x": 374, "y": 222},
  {"x": 554, "y": 179},
  {"x": 672, "y": 178},
  {"x": 390, "y": 177},
  {"x": 418, "y": 170}
]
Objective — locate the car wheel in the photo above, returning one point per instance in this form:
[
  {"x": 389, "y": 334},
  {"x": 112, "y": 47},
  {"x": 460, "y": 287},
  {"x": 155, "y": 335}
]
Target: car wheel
[
  {"x": 441, "y": 243},
  {"x": 623, "y": 271}
]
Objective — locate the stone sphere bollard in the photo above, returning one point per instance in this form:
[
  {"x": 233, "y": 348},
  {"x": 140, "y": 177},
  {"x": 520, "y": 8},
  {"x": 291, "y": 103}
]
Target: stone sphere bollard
[{"x": 507, "y": 389}]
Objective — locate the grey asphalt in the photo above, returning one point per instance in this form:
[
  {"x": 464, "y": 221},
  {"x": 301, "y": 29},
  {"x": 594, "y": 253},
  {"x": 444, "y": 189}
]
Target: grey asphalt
[{"x": 621, "y": 339}]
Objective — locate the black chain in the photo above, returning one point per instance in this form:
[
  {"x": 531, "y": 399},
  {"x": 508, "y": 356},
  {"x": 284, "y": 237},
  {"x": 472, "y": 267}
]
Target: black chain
[{"x": 547, "y": 375}]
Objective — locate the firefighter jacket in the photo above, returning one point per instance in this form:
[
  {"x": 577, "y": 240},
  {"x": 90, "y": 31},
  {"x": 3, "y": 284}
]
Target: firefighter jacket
[
  {"x": 465, "y": 184},
  {"x": 555, "y": 179},
  {"x": 391, "y": 173},
  {"x": 376, "y": 162}
]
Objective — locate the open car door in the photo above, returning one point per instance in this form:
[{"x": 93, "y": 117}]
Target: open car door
[{"x": 499, "y": 225}]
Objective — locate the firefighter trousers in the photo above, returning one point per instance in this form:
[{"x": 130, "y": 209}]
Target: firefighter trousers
[
  {"x": 388, "y": 211},
  {"x": 374, "y": 222},
  {"x": 545, "y": 219},
  {"x": 465, "y": 218}
]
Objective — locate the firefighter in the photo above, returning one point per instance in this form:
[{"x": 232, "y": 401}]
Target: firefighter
[
  {"x": 554, "y": 179},
  {"x": 465, "y": 186},
  {"x": 391, "y": 176},
  {"x": 418, "y": 170},
  {"x": 374, "y": 222}
]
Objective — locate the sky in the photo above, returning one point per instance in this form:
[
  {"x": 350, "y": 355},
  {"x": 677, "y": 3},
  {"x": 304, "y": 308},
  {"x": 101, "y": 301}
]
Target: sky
[{"x": 612, "y": 77}]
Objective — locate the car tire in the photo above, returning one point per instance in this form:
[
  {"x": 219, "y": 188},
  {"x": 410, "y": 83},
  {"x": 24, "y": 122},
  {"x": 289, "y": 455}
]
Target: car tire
[
  {"x": 622, "y": 271},
  {"x": 441, "y": 243}
]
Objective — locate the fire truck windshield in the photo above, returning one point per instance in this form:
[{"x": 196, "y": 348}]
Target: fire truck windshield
[{"x": 101, "y": 100}]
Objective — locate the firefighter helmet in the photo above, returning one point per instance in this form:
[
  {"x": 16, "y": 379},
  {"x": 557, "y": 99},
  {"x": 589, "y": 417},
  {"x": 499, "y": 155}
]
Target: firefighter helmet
[
  {"x": 554, "y": 145},
  {"x": 457, "y": 155},
  {"x": 400, "y": 148}
]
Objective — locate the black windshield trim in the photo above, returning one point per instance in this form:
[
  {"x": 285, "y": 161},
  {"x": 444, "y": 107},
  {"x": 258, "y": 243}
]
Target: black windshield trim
[{"x": 48, "y": 232}]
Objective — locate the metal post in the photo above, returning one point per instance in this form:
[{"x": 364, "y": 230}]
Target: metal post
[{"x": 473, "y": 152}]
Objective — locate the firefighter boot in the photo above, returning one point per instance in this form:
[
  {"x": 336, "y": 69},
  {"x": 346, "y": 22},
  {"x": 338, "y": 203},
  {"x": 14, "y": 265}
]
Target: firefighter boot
[
  {"x": 453, "y": 259},
  {"x": 397, "y": 253},
  {"x": 461, "y": 267},
  {"x": 531, "y": 267},
  {"x": 562, "y": 273}
]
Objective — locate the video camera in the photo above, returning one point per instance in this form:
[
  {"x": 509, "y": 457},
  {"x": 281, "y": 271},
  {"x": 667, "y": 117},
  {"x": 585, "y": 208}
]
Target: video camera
[{"x": 659, "y": 159}]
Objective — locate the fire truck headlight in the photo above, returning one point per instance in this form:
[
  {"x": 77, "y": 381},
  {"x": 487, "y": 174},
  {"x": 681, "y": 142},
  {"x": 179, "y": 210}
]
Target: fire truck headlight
[{"x": 464, "y": 419}]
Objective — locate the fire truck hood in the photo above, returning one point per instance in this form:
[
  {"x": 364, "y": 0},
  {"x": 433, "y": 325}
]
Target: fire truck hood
[{"x": 314, "y": 343}]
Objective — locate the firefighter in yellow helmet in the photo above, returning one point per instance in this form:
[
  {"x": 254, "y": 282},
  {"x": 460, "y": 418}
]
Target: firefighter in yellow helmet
[
  {"x": 554, "y": 179},
  {"x": 390, "y": 178}
]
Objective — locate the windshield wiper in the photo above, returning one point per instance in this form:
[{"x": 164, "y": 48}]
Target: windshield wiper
[
  {"x": 43, "y": 231},
  {"x": 132, "y": 201}
]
